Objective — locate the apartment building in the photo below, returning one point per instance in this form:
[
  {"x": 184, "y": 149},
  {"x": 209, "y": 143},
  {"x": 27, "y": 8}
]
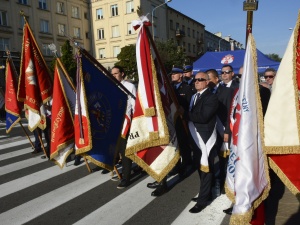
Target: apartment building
[
  {"x": 187, "y": 33},
  {"x": 50, "y": 20},
  {"x": 112, "y": 29}
]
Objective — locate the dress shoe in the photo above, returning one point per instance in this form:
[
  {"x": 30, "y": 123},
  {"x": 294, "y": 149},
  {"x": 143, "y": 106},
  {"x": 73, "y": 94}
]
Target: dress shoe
[
  {"x": 104, "y": 171},
  {"x": 197, "y": 208},
  {"x": 159, "y": 191},
  {"x": 228, "y": 211},
  {"x": 35, "y": 151},
  {"x": 153, "y": 185},
  {"x": 194, "y": 199}
]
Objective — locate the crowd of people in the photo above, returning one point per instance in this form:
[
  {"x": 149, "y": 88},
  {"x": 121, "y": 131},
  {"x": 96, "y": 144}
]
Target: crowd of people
[{"x": 203, "y": 129}]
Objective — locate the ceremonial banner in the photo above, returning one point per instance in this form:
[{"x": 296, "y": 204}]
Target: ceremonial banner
[
  {"x": 251, "y": 180},
  {"x": 282, "y": 121},
  {"x": 35, "y": 84},
  {"x": 99, "y": 114},
  {"x": 12, "y": 106},
  {"x": 152, "y": 141},
  {"x": 62, "y": 127}
]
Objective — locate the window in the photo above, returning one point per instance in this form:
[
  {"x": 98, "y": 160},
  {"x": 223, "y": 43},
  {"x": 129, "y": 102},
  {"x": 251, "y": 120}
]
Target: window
[
  {"x": 44, "y": 26},
  {"x": 130, "y": 29},
  {"x": 183, "y": 28},
  {"x": 189, "y": 47},
  {"x": 42, "y": 4},
  {"x": 22, "y": 21},
  {"x": 24, "y": 2},
  {"x": 61, "y": 29},
  {"x": 60, "y": 7},
  {"x": 76, "y": 32},
  {"x": 75, "y": 12},
  {"x": 86, "y": 15},
  {"x": 4, "y": 44},
  {"x": 177, "y": 26},
  {"x": 194, "y": 49},
  {"x": 101, "y": 53},
  {"x": 153, "y": 11},
  {"x": 100, "y": 33},
  {"x": 171, "y": 25},
  {"x": 115, "y": 31},
  {"x": 116, "y": 51},
  {"x": 189, "y": 32},
  {"x": 114, "y": 10},
  {"x": 99, "y": 14},
  {"x": 129, "y": 7},
  {"x": 46, "y": 50},
  {"x": 193, "y": 33},
  {"x": 3, "y": 18}
]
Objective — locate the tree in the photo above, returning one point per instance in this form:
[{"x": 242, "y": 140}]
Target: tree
[
  {"x": 127, "y": 59},
  {"x": 170, "y": 54},
  {"x": 274, "y": 57},
  {"x": 68, "y": 60}
]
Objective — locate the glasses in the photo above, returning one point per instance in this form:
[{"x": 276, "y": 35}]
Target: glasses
[
  {"x": 227, "y": 72},
  {"x": 199, "y": 79},
  {"x": 239, "y": 75},
  {"x": 266, "y": 77}
]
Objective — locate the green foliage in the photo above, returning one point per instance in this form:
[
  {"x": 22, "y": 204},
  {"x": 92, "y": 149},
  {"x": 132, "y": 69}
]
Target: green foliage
[
  {"x": 274, "y": 57},
  {"x": 68, "y": 60},
  {"x": 170, "y": 54},
  {"x": 127, "y": 59}
]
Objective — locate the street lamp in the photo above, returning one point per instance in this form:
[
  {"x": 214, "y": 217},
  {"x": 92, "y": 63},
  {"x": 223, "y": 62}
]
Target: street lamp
[{"x": 152, "y": 21}]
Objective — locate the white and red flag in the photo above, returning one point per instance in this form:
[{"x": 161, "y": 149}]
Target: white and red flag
[
  {"x": 35, "y": 84},
  {"x": 152, "y": 141},
  {"x": 282, "y": 119},
  {"x": 249, "y": 169},
  {"x": 63, "y": 107}
]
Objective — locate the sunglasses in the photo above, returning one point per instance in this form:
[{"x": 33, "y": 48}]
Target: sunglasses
[
  {"x": 227, "y": 72},
  {"x": 239, "y": 75},
  {"x": 199, "y": 79},
  {"x": 268, "y": 77}
]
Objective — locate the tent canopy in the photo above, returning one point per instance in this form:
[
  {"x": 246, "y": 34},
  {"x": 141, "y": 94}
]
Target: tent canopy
[{"x": 216, "y": 60}]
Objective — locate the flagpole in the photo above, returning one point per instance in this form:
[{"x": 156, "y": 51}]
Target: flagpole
[
  {"x": 66, "y": 73},
  {"x": 164, "y": 73},
  {"x": 32, "y": 145},
  {"x": 42, "y": 143}
]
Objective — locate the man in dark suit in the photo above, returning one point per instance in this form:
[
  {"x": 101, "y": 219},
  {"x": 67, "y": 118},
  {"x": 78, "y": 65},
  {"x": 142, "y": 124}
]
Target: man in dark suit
[
  {"x": 188, "y": 77},
  {"x": 183, "y": 93},
  {"x": 202, "y": 117},
  {"x": 227, "y": 77},
  {"x": 223, "y": 127}
]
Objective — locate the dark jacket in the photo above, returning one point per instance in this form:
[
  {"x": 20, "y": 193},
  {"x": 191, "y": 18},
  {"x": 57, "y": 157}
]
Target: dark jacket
[{"x": 184, "y": 94}]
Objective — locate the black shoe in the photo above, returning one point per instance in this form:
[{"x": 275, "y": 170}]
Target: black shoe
[
  {"x": 105, "y": 171},
  {"x": 36, "y": 151},
  {"x": 153, "y": 185},
  {"x": 76, "y": 162},
  {"x": 194, "y": 199},
  {"x": 43, "y": 157},
  {"x": 228, "y": 211},
  {"x": 197, "y": 208},
  {"x": 124, "y": 183},
  {"x": 160, "y": 190}
]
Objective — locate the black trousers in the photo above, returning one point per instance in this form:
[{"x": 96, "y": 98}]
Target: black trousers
[{"x": 126, "y": 162}]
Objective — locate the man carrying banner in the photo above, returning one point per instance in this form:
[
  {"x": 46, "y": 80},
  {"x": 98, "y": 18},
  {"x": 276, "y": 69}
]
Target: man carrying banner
[
  {"x": 119, "y": 73},
  {"x": 202, "y": 124}
]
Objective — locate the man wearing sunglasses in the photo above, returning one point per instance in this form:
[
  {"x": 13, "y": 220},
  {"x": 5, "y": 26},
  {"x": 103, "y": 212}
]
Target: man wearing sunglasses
[
  {"x": 202, "y": 124},
  {"x": 269, "y": 76},
  {"x": 227, "y": 77}
]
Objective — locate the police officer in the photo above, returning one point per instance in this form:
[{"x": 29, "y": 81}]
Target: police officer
[{"x": 188, "y": 77}]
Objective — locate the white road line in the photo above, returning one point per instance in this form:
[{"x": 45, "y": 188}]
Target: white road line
[
  {"x": 38, "y": 206},
  {"x": 32, "y": 179},
  {"x": 211, "y": 215},
  {"x": 126, "y": 205},
  {"x": 20, "y": 165},
  {"x": 15, "y": 153},
  {"x": 17, "y": 143}
]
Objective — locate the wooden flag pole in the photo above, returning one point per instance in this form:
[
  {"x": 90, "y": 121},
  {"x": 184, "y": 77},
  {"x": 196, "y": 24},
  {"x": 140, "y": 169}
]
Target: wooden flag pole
[
  {"x": 87, "y": 165},
  {"x": 32, "y": 145},
  {"x": 42, "y": 144},
  {"x": 117, "y": 172}
]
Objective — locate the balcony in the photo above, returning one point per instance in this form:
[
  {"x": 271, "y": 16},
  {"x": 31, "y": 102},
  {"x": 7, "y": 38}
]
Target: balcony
[{"x": 179, "y": 33}]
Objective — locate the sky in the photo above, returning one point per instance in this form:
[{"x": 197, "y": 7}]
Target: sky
[{"x": 273, "y": 22}]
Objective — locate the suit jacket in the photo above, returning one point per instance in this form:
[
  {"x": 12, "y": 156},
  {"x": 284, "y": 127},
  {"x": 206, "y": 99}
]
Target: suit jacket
[
  {"x": 203, "y": 114},
  {"x": 234, "y": 85},
  {"x": 225, "y": 97},
  {"x": 265, "y": 95},
  {"x": 184, "y": 94}
]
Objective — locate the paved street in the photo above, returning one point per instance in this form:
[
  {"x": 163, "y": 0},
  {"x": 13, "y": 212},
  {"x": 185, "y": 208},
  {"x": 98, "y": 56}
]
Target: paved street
[{"x": 36, "y": 191}]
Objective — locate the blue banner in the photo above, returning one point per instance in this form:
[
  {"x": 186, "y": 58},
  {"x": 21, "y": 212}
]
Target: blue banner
[{"x": 106, "y": 105}]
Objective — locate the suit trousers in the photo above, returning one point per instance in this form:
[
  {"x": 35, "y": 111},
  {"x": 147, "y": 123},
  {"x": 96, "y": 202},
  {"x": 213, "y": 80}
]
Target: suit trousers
[{"x": 126, "y": 162}]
